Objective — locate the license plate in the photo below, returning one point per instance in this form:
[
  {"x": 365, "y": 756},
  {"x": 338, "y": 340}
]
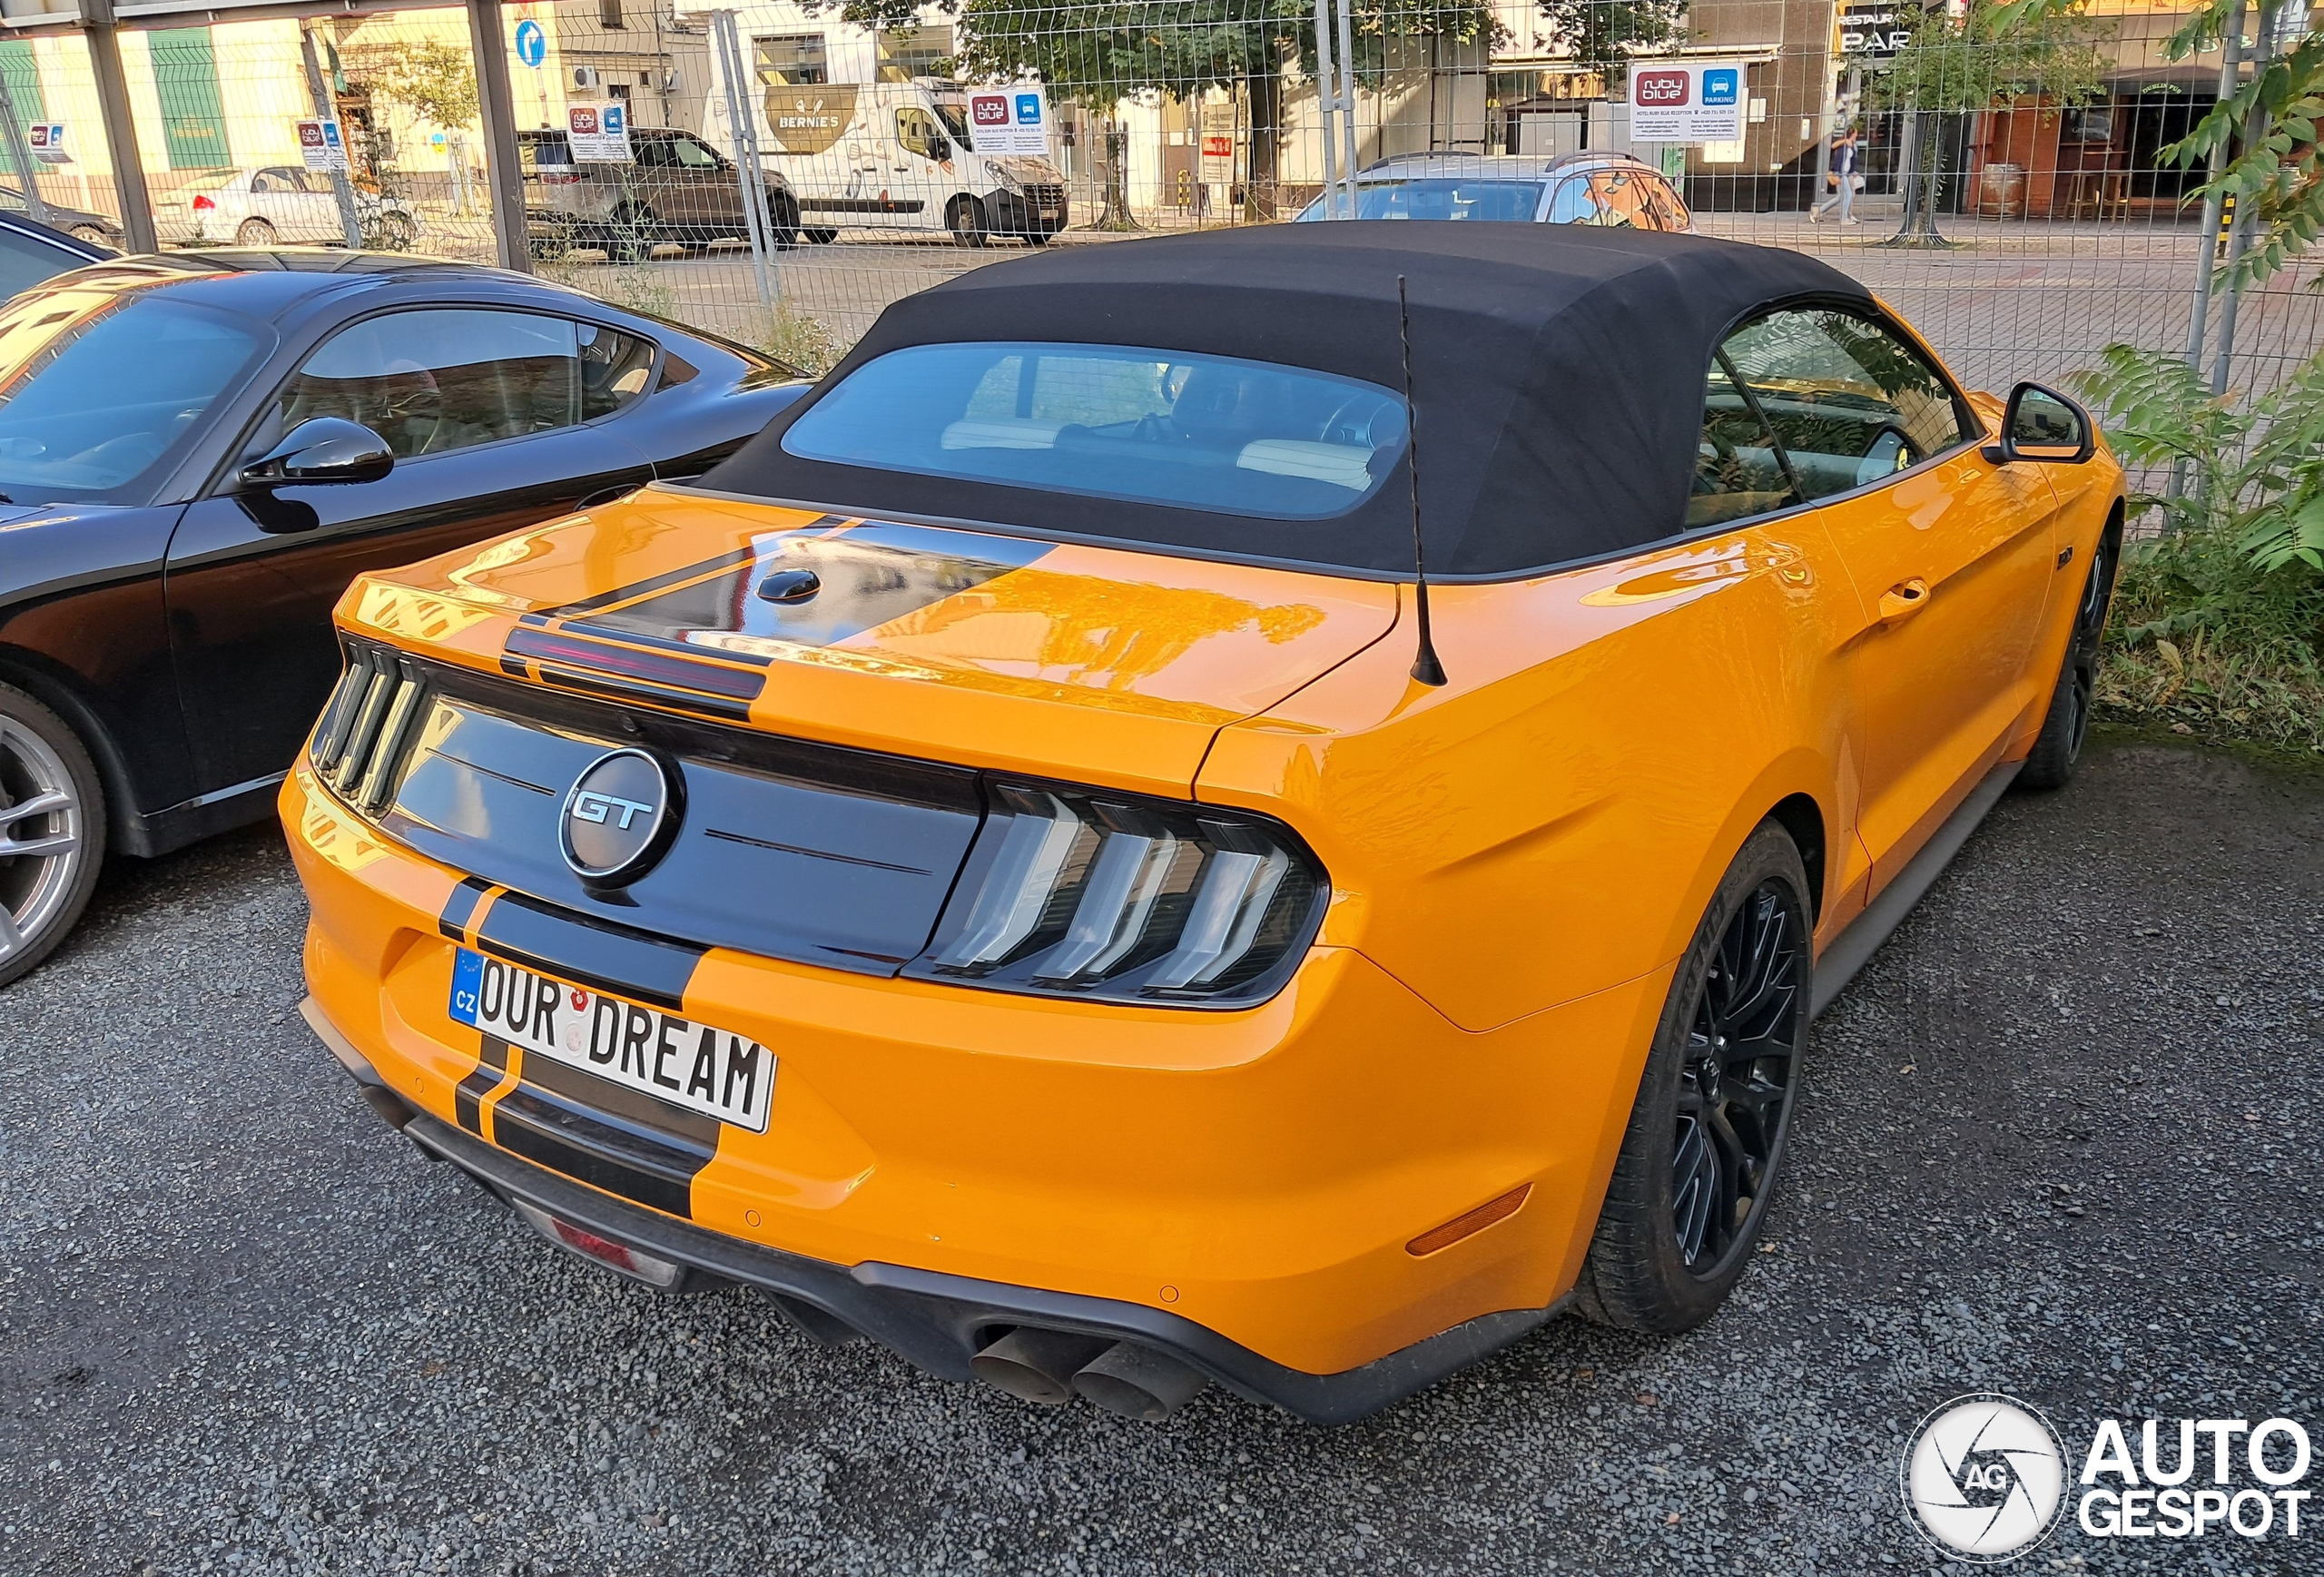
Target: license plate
[{"x": 694, "y": 1067}]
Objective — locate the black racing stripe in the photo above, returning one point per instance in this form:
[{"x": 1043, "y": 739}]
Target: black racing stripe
[
  {"x": 514, "y": 666},
  {"x": 664, "y": 643},
  {"x": 564, "y": 945},
  {"x": 619, "y": 689},
  {"x": 664, "y": 581},
  {"x": 617, "y": 1156},
  {"x": 461, "y": 907},
  {"x": 631, "y": 663},
  {"x": 467, "y": 1101}
]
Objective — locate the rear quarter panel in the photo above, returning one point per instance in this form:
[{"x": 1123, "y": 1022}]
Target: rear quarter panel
[{"x": 1552, "y": 822}]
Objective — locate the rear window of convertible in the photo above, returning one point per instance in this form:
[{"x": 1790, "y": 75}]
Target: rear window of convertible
[{"x": 1114, "y": 422}]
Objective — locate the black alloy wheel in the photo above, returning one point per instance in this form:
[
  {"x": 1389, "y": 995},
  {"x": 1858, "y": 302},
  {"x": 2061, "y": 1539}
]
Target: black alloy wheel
[
  {"x": 2066, "y": 728},
  {"x": 1734, "y": 1088},
  {"x": 1706, "y": 1137}
]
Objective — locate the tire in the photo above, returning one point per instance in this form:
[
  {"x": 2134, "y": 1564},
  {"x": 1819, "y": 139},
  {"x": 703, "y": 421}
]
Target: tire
[
  {"x": 255, "y": 232},
  {"x": 783, "y": 221},
  {"x": 2066, "y": 726},
  {"x": 1673, "y": 1238},
  {"x": 42, "y": 894},
  {"x": 820, "y": 236},
  {"x": 92, "y": 234},
  {"x": 964, "y": 217}
]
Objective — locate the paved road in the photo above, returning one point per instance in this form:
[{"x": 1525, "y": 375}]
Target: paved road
[{"x": 2060, "y": 1140}]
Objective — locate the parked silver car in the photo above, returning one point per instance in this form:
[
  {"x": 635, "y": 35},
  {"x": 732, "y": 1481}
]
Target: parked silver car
[
  {"x": 1586, "y": 188},
  {"x": 278, "y": 204}
]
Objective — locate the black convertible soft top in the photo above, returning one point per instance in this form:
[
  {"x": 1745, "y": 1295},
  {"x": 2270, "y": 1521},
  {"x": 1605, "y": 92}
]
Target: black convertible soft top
[{"x": 1558, "y": 372}]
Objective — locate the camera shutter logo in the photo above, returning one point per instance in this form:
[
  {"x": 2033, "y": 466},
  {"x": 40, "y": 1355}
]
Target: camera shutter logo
[
  {"x": 619, "y": 817},
  {"x": 1983, "y": 1478}
]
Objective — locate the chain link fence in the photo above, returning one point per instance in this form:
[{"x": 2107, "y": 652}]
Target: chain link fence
[{"x": 779, "y": 172}]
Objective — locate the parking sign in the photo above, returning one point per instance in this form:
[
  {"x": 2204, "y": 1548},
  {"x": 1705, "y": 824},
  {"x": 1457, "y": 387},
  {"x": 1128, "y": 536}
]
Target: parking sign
[
  {"x": 1687, "y": 101},
  {"x": 599, "y": 134},
  {"x": 1011, "y": 121}
]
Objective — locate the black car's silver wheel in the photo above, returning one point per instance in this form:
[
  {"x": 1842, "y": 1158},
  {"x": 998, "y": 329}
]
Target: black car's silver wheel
[{"x": 51, "y": 831}]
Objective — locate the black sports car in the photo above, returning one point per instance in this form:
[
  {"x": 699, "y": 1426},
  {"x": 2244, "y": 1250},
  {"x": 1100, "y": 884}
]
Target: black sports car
[{"x": 198, "y": 451}]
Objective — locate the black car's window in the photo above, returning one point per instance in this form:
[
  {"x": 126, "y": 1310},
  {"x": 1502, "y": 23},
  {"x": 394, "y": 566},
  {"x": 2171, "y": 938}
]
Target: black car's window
[
  {"x": 445, "y": 378},
  {"x": 1114, "y": 422},
  {"x": 98, "y": 386},
  {"x": 26, "y": 259},
  {"x": 1737, "y": 472},
  {"x": 1851, "y": 402}
]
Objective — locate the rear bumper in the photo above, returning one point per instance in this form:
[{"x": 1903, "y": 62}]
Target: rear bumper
[
  {"x": 935, "y": 1321},
  {"x": 1240, "y": 1189}
]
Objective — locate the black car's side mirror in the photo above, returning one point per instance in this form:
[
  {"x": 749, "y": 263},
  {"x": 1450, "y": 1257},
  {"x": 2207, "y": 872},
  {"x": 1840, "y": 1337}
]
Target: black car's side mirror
[
  {"x": 321, "y": 450},
  {"x": 2043, "y": 426}
]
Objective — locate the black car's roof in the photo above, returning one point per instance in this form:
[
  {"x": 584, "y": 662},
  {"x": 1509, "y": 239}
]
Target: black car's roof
[
  {"x": 268, "y": 282},
  {"x": 1558, "y": 372}
]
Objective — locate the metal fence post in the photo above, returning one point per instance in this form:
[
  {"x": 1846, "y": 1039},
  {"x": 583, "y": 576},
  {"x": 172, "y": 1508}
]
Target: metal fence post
[
  {"x": 1326, "y": 101},
  {"x": 21, "y": 154},
  {"x": 1347, "y": 106},
  {"x": 744, "y": 131},
  {"x": 504, "y": 176},
  {"x": 349, "y": 220},
  {"x": 120, "y": 128},
  {"x": 2238, "y": 240}
]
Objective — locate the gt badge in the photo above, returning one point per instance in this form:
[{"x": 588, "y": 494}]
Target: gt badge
[{"x": 619, "y": 817}]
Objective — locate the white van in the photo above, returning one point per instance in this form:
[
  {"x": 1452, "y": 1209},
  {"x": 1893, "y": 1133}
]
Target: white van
[{"x": 901, "y": 156}]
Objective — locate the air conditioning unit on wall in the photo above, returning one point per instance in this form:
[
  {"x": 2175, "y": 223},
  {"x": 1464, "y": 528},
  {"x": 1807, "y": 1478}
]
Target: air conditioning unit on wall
[{"x": 586, "y": 76}]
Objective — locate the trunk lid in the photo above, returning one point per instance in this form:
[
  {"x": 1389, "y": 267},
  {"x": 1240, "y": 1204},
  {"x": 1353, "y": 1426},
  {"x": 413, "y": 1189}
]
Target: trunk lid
[{"x": 1099, "y": 665}]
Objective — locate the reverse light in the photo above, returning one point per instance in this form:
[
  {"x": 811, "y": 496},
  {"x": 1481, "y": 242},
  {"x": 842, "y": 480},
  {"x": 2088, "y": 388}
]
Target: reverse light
[{"x": 1078, "y": 893}]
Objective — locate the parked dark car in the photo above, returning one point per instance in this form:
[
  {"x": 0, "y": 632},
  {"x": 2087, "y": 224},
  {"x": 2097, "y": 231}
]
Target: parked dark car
[
  {"x": 678, "y": 189},
  {"x": 31, "y": 254},
  {"x": 198, "y": 451},
  {"x": 95, "y": 229}
]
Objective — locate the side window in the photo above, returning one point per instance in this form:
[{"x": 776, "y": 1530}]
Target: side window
[
  {"x": 652, "y": 153},
  {"x": 271, "y": 182},
  {"x": 916, "y": 130},
  {"x": 1620, "y": 201},
  {"x": 432, "y": 381},
  {"x": 1668, "y": 211},
  {"x": 25, "y": 261},
  {"x": 1572, "y": 205},
  {"x": 1850, "y": 401},
  {"x": 1737, "y": 472},
  {"x": 692, "y": 154}
]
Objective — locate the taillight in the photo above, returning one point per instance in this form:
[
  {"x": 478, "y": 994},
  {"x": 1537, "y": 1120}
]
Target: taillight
[
  {"x": 1078, "y": 893},
  {"x": 202, "y": 202},
  {"x": 358, "y": 745}
]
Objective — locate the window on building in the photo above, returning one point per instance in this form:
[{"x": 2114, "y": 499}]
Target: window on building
[
  {"x": 609, "y": 14},
  {"x": 792, "y": 60},
  {"x": 914, "y": 53}
]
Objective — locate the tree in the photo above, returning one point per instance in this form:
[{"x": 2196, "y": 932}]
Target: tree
[
  {"x": 2275, "y": 175},
  {"x": 1099, "y": 52},
  {"x": 1602, "y": 35},
  {"x": 1996, "y": 52},
  {"x": 431, "y": 78}
]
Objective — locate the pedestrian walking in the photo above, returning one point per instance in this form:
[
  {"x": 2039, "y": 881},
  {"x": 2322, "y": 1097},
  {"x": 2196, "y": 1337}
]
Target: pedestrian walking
[{"x": 1845, "y": 182}]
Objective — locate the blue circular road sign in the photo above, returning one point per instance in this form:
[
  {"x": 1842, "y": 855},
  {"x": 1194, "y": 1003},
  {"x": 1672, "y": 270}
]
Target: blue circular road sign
[{"x": 532, "y": 44}]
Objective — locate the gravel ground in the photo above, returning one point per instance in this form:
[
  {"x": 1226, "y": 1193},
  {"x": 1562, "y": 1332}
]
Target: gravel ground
[{"x": 2057, "y": 1141}]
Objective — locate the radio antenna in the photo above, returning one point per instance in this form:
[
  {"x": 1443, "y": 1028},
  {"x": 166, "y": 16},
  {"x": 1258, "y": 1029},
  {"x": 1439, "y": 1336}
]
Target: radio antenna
[{"x": 1426, "y": 669}]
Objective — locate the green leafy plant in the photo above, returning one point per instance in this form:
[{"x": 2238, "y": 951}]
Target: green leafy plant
[
  {"x": 2219, "y": 611},
  {"x": 431, "y": 78},
  {"x": 2276, "y": 176}
]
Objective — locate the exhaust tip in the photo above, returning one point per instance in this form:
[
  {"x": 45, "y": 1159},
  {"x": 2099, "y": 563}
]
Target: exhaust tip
[
  {"x": 1036, "y": 1365},
  {"x": 1138, "y": 1383}
]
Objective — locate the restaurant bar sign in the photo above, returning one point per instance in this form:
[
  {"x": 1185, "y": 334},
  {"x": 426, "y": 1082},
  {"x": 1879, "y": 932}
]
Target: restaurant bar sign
[{"x": 1870, "y": 32}]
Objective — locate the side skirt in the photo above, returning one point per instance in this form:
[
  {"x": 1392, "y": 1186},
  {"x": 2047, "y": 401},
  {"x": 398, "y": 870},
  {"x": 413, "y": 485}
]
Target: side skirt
[{"x": 1854, "y": 948}]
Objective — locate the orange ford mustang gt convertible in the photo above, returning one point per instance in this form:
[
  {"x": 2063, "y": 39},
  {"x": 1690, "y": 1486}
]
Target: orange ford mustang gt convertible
[{"x": 1268, "y": 808}]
